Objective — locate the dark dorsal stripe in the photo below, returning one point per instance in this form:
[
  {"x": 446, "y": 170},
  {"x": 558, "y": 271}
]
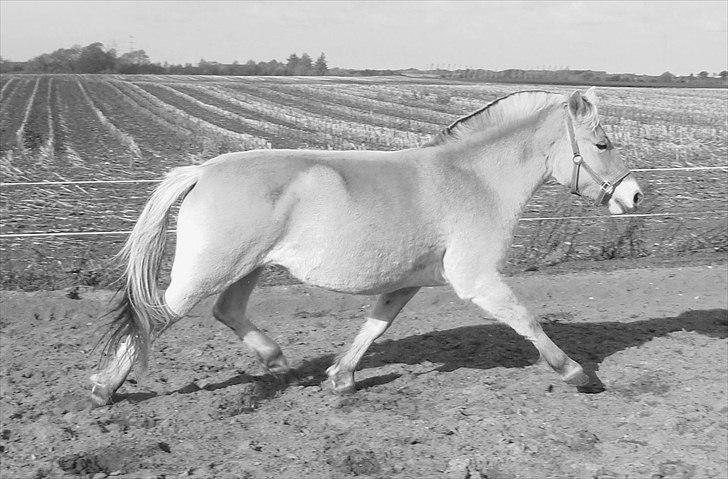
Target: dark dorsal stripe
[{"x": 447, "y": 134}]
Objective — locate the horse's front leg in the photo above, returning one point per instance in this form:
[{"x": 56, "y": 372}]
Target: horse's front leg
[
  {"x": 496, "y": 298},
  {"x": 388, "y": 306}
]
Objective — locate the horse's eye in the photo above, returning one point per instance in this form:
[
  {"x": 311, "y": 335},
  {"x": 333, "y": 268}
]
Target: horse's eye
[{"x": 602, "y": 146}]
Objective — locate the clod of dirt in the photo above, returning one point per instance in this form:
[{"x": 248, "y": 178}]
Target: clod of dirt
[
  {"x": 73, "y": 293},
  {"x": 604, "y": 473},
  {"x": 314, "y": 314},
  {"x": 71, "y": 402},
  {"x": 645, "y": 384},
  {"x": 583, "y": 440},
  {"x": 466, "y": 468},
  {"x": 83, "y": 464},
  {"x": 458, "y": 468},
  {"x": 243, "y": 401},
  {"x": 111, "y": 459},
  {"x": 674, "y": 470},
  {"x": 357, "y": 462},
  {"x": 132, "y": 420},
  {"x": 243, "y": 398}
]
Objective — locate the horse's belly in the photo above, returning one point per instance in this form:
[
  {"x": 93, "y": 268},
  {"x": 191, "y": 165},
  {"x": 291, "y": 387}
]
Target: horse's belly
[
  {"x": 360, "y": 268},
  {"x": 346, "y": 229}
]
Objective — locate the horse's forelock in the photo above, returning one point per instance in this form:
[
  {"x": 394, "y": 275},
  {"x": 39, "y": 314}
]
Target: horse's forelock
[{"x": 591, "y": 117}]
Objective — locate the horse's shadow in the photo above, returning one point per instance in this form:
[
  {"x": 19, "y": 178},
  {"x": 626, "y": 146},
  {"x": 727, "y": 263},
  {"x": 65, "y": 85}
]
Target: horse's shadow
[{"x": 494, "y": 345}]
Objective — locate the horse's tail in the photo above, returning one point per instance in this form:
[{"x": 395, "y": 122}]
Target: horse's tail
[{"x": 140, "y": 311}]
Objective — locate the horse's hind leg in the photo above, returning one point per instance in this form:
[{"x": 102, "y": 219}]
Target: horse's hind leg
[
  {"x": 497, "y": 299},
  {"x": 388, "y": 306},
  {"x": 105, "y": 382},
  {"x": 183, "y": 293},
  {"x": 180, "y": 299},
  {"x": 230, "y": 310}
]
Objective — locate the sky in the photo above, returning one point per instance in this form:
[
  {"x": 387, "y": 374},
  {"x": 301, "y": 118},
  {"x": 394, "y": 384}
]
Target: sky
[{"x": 648, "y": 37}]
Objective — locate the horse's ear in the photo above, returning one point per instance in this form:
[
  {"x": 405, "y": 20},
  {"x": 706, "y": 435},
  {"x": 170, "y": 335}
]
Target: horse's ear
[
  {"x": 591, "y": 96},
  {"x": 577, "y": 105}
]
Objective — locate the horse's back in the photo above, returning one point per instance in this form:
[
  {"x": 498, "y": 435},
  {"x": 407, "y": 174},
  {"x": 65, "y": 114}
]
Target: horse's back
[{"x": 351, "y": 221}]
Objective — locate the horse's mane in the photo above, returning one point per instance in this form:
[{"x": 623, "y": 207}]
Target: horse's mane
[{"x": 503, "y": 112}]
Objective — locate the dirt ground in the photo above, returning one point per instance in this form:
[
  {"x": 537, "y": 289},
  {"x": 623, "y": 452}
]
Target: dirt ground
[{"x": 445, "y": 393}]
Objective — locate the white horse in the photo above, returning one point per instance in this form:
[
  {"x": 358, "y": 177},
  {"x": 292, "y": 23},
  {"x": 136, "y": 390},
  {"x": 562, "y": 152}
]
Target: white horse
[{"x": 364, "y": 222}]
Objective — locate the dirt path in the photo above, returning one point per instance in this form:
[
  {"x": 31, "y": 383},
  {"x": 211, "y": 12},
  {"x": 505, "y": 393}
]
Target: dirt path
[{"x": 444, "y": 394}]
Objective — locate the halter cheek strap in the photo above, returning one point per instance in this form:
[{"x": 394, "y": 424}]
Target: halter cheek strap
[{"x": 606, "y": 187}]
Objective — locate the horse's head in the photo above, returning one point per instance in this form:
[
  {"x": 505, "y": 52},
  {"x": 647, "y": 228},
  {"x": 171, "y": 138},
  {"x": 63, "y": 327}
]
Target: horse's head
[{"x": 587, "y": 162}]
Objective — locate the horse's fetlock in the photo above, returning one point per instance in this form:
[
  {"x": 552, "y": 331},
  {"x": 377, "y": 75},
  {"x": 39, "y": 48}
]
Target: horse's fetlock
[{"x": 332, "y": 370}]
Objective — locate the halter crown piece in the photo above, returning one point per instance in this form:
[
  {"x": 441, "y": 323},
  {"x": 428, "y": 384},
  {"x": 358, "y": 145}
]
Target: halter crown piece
[{"x": 606, "y": 187}]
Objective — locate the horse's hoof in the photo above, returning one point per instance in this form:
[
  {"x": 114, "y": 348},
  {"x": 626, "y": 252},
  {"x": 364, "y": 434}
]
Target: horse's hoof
[
  {"x": 342, "y": 383},
  {"x": 577, "y": 377},
  {"x": 100, "y": 395},
  {"x": 343, "y": 390},
  {"x": 278, "y": 369},
  {"x": 276, "y": 365}
]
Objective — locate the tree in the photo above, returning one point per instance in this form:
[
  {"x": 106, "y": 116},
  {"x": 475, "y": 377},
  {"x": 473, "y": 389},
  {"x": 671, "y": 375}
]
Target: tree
[
  {"x": 703, "y": 74},
  {"x": 667, "y": 77},
  {"x": 723, "y": 74},
  {"x": 292, "y": 64},
  {"x": 135, "y": 57},
  {"x": 135, "y": 61},
  {"x": 93, "y": 59},
  {"x": 305, "y": 65},
  {"x": 320, "y": 67},
  {"x": 6, "y": 66}
]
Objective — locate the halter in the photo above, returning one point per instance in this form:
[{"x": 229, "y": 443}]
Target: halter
[{"x": 606, "y": 187}]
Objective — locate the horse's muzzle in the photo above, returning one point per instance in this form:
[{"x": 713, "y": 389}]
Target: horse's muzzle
[{"x": 627, "y": 195}]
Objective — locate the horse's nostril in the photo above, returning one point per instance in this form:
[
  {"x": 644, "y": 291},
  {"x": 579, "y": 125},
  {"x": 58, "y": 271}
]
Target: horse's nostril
[{"x": 637, "y": 198}]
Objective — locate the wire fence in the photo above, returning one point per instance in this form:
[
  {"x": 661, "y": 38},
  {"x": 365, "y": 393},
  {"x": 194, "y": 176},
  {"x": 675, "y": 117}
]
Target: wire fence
[
  {"x": 102, "y": 182},
  {"x": 51, "y": 234},
  {"x": 530, "y": 219}
]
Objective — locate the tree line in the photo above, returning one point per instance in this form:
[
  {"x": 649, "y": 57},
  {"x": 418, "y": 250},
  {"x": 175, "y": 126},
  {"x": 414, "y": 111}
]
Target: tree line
[
  {"x": 586, "y": 77},
  {"x": 95, "y": 58}
]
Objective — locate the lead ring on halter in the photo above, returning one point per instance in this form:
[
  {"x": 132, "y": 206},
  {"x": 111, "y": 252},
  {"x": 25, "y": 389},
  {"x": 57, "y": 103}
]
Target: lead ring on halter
[{"x": 606, "y": 187}]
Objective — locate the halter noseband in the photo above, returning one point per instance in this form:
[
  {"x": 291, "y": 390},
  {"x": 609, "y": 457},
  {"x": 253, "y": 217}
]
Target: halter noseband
[{"x": 606, "y": 187}]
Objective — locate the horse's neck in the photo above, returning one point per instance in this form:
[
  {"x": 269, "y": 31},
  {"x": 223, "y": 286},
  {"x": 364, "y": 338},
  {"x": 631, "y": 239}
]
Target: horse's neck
[
  {"x": 511, "y": 166},
  {"x": 517, "y": 172}
]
